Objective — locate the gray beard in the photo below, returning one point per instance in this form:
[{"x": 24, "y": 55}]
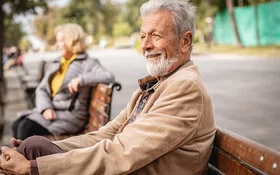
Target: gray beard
[{"x": 160, "y": 67}]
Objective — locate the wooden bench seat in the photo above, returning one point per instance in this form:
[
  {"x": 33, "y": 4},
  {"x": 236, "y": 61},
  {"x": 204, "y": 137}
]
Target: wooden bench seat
[
  {"x": 237, "y": 155},
  {"x": 99, "y": 108}
]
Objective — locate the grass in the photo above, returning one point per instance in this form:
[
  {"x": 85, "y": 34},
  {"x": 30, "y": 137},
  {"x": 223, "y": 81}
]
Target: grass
[{"x": 264, "y": 51}]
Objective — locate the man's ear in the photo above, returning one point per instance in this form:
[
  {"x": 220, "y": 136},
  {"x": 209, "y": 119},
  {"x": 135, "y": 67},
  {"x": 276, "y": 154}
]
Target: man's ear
[{"x": 186, "y": 41}]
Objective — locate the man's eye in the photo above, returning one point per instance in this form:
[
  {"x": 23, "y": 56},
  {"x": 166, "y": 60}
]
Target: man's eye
[
  {"x": 142, "y": 37},
  {"x": 156, "y": 36}
]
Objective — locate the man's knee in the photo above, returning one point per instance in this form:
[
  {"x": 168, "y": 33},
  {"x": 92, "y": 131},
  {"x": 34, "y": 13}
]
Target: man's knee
[
  {"x": 33, "y": 146},
  {"x": 35, "y": 142},
  {"x": 37, "y": 146}
]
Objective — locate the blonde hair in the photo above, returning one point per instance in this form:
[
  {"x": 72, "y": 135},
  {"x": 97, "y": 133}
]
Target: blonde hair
[{"x": 74, "y": 37}]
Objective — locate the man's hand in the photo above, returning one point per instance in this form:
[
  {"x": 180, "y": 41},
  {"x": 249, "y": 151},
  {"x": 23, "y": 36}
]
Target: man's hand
[
  {"x": 49, "y": 114},
  {"x": 74, "y": 85},
  {"x": 15, "y": 142},
  {"x": 13, "y": 162}
]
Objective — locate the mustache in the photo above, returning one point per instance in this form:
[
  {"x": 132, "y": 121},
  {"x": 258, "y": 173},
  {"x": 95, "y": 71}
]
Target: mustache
[{"x": 147, "y": 53}]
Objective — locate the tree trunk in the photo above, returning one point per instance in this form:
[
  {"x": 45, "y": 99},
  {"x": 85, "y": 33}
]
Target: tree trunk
[
  {"x": 209, "y": 2},
  {"x": 257, "y": 22},
  {"x": 1, "y": 39},
  {"x": 2, "y": 79},
  {"x": 240, "y": 3},
  {"x": 233, "y": 22}
]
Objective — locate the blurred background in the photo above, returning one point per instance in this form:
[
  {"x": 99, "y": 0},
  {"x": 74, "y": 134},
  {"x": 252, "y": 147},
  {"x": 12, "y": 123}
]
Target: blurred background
[
  {"x": 236, "y": 45},
  {"x": 30, "y": 25}
]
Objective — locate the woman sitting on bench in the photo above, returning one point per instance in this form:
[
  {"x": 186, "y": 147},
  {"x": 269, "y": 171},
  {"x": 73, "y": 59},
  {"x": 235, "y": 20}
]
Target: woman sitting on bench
[{"x": 59, "y": 110}]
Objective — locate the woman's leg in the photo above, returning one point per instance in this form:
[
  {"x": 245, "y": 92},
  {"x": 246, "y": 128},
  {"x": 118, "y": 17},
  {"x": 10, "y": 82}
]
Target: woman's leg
[
  {"x": 27, "y": 128},
  {"x": 37, "y": 146},
  {"x": 15, "y": 126}
]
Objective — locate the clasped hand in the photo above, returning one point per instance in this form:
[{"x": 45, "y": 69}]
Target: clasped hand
[{"x": 12, "y": 162}]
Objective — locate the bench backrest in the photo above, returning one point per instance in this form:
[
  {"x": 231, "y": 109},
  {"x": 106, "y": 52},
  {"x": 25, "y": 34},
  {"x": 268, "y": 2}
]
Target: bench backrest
[
  {"x": 100, "y": 105},
  {"x": 234, "y": 154}
]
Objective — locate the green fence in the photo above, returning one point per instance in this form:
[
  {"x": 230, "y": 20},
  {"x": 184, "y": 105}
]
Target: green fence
[{"x": 268, "y": 22}]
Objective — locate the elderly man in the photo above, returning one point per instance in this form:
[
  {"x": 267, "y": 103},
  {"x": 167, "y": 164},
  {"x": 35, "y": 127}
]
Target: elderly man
[{"x": 167, "y": 127}]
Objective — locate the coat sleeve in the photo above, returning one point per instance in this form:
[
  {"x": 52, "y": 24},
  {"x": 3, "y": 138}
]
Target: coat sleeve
[
  {"x": 95, "y": 73},
  {"x": 173, "y": 119},
  {"x": 106, "y": 132}
]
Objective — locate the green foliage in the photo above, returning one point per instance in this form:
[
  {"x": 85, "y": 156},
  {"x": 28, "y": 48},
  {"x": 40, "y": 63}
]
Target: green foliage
[
  {"x": 204, "y": 10},
  {"x": 196, "y": 39},
  {"x": 252, "y": 2},
  {"x": 110, "y": 13},
  {"x": 24, "y": 44},
  {"x": 122, "y": 29},
  {"x": 96, "y": 17},
  {"x": 24, "y": 6},
  {"x": 44, "y": 25},
  {"x": 132, "y": 14},
  {"x": 104, "y": 18},
  {"x": 138, "y": 44},
  {"x": 13, "y": 32}
]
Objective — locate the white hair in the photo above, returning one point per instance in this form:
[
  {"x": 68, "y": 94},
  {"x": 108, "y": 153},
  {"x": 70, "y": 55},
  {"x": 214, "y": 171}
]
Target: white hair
[{"x": 182, "y": 12}]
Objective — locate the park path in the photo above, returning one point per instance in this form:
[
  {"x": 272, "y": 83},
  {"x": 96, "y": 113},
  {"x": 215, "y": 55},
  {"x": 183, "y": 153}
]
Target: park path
[{"x": 15, "y": 102}]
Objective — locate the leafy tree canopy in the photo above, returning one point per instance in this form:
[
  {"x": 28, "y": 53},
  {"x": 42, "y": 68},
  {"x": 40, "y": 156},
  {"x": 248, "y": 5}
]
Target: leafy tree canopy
[
  {"x": 13, "y": 32},
  {"x": 13, "y": 7}
]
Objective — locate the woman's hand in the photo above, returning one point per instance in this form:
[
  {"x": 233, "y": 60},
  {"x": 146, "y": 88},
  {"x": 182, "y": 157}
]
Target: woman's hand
[
  {"x": 49, "y": 114},
  {"x": 74, "y": 84}
]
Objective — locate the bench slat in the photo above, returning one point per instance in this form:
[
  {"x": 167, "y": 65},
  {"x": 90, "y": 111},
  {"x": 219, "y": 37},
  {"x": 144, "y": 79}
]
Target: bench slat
[
  {"x": 102, "y": 98},
  {"x": 96, "y": 120},
  {"x": 228, "y": 164},
  {"x": 99, "y": 106},
  {"x": 102, "y": 88},
  {"x": 237, "y": 149}
]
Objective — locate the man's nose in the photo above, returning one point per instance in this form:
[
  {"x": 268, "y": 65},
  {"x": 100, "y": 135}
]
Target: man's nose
[{"x": 147, "y": 43}]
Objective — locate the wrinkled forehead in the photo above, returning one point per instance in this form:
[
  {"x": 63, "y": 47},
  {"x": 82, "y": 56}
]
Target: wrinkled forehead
[{"x": 160, "y": 20}]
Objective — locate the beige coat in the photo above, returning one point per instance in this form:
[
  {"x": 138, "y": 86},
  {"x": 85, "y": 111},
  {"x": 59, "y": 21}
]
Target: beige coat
[{"x": 173, "y": 135}]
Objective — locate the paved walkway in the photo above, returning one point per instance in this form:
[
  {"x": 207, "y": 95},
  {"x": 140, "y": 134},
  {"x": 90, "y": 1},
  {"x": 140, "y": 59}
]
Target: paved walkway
[{"x": 16, "y": 102}]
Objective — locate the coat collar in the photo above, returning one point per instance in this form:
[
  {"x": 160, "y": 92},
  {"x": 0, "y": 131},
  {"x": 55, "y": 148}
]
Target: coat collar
[{"x": 80, "y": 56}]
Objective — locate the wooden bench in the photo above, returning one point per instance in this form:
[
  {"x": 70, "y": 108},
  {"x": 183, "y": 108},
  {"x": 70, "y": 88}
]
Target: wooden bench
[
  {"x": 30, "y": 82},
  {"x": 27, "y": 76},
  {"x": 237, "y": 155},
  {"x": 99, "y": 108}
]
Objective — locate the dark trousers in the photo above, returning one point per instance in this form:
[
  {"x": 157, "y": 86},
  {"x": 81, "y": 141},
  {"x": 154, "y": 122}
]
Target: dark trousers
[
  {"x": 37, "y": 146},
  {"x": 23, "y": 128}
]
